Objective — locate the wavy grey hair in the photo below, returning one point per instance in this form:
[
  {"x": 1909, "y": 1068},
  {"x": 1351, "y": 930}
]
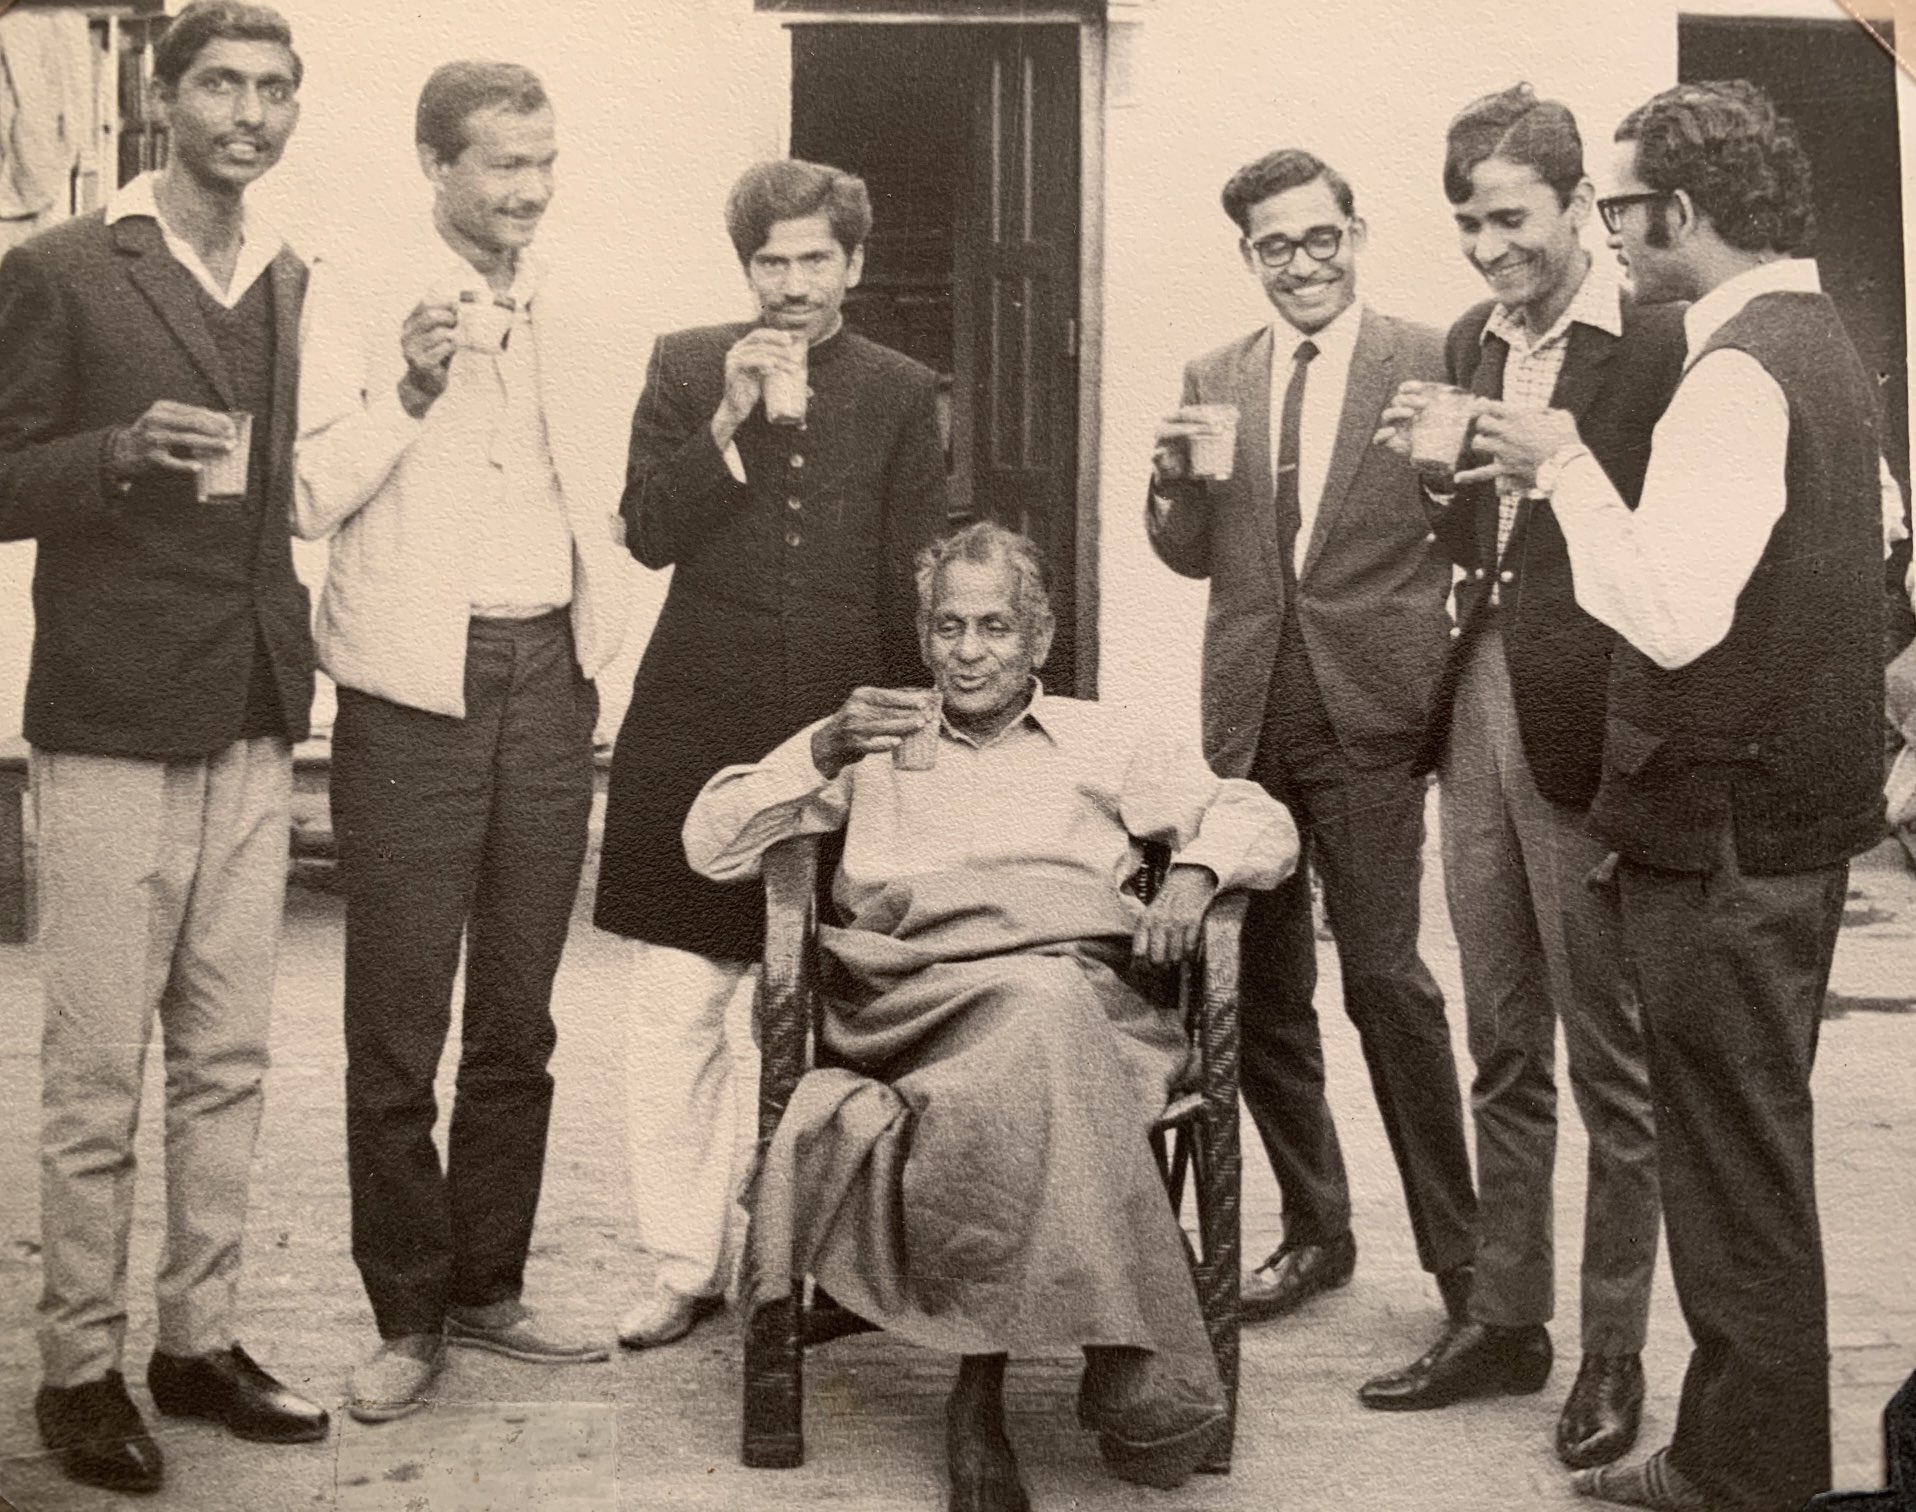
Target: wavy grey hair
[{"x": 982, "y": 543}]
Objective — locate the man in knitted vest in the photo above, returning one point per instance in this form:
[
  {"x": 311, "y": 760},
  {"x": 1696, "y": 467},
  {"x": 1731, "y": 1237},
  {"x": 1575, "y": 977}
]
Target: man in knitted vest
[{"x": 1742, "y": 764}]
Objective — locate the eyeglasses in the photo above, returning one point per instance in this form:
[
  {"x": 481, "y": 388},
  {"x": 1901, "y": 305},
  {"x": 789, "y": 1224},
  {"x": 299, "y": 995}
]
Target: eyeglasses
[
  {"x": 1320, "y": 242},
  {"x": 1612, "y": 209}
]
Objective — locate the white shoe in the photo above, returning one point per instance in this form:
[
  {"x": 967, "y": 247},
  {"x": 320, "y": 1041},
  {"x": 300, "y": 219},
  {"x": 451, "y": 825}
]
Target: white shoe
[
  {"x": 665, "y": 1317},
  {"x": 393, "y": 1381},
  {"x": 1899, "y": 792}
]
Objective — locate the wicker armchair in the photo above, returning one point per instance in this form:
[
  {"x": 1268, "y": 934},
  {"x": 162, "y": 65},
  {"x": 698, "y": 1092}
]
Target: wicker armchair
[{"x": 1196, "y": 1137}]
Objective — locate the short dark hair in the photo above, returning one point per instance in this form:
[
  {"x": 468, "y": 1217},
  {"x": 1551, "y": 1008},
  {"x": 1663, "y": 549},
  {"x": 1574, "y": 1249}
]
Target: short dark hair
[
  {"x": 207, "y": 21},
  {"x": 1516, "y": 126},
  {"x": 982, "y": 542},
  {"x": 782, "y": 189},
  {"x": 456, "y": 90},
  {"x": 1276, "y": 172},
  {"x": 1724, "y": 144}
]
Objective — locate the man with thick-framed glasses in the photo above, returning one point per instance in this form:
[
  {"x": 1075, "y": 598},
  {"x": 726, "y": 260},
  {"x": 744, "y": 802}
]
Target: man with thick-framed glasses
[
  {"x": 1742, "y": 754},
  {"x": 1323, "y": 643}
]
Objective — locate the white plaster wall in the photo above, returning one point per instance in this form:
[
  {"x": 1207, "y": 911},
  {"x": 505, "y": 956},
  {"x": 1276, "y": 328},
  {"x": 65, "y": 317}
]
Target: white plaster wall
[{"x": 661, "y": 103}]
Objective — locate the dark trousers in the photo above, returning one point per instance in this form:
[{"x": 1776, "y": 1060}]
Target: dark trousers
[
  {"x": 1363, "y": 831},
  {"x": 1732, "y": 970},
  {"x": 448, "y": 828}
]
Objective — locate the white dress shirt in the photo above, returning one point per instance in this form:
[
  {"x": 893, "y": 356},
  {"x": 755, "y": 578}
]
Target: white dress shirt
[
  {"x": 1667, "y": 576},
  {"x": 259, "y": 242},
  {"x": 1325, "y": 380},
  {"x": 463, "y": 512}
]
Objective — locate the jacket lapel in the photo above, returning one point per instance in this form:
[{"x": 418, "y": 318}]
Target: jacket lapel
[
  {"x": 1373, "y": 379},
  {"x": 1586, "y": 363},
  {"x": 1254, "y": 429},
  {"x": 287, "y": 278},
  {"x": 170, "y": 289}
]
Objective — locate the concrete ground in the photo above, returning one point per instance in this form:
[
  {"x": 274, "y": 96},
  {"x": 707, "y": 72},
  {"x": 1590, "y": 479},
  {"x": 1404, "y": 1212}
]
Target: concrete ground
[{"x": 660, "y": 1431}]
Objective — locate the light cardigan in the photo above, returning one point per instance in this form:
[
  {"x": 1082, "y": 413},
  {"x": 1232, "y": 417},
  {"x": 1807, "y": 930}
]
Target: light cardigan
[{"x": 393, "y": 615}]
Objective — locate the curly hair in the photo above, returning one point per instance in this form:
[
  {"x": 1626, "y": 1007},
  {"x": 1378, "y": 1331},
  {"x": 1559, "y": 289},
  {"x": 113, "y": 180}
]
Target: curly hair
[
  {"x": 205, "y": 22},
  {"x": 790, "y": 189},
  {"x": 1517, "y": 127},
  {"x": 1724, "y": 145},
  {"x": 983, "y": 542},
  {"x": 1277, "y": 173}
]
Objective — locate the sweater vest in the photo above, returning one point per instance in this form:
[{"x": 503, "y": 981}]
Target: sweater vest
[{"x": 1775, "y": 733}]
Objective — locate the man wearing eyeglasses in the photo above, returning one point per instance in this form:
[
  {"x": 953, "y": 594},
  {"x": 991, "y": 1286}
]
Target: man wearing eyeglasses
[
  {"x": 1742, "y": 755},
  {"x": 1518, "y": 736},
  {"x": 1324, "y": 639}
]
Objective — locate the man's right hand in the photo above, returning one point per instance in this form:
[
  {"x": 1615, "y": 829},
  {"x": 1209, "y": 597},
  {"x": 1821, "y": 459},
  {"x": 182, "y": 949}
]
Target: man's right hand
[
  {"x": 872, "y": 719},
  {"x": 169, "y": 437},
  {"x": 1171, "y": 448},
  {"x": 751, "y": 357},
  {"x": 427, "y": 342}
]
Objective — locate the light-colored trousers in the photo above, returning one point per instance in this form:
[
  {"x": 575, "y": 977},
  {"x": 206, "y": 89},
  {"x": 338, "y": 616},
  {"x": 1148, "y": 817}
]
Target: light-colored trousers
[
  {"x": 1538, "y": 943},
  {"x": 161, "y": 887},
  {"x": 691, "y": 1068}
]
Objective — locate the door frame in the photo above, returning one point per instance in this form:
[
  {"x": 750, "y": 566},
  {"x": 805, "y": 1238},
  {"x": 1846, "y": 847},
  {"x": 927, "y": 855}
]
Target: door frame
[{"x": 1092, "y": 26}]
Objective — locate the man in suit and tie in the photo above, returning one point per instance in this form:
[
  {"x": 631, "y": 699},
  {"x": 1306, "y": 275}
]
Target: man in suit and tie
[
  {"x": 1323, "y": 643},
  {"x": 172, "y": 672},
  {"x": 1518, "y": 729}
]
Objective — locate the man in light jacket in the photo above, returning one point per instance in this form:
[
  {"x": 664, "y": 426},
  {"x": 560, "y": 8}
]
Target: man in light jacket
[{"x": 470, "y": 600}]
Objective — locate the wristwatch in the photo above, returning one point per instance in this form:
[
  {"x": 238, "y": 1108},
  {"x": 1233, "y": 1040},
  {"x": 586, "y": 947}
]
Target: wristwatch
[{"x": 1554, "y": 465}]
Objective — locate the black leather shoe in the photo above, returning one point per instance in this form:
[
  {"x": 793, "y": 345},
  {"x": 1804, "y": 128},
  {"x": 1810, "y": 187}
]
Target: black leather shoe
[
  {"x": 98, "y": 1434},
  {"x": 1294, "y": 1274},
  {"x": 1605, "y": 1409},
  {"x": 228, "y": 1387},
  {"x": 1476, "y": 1360}
]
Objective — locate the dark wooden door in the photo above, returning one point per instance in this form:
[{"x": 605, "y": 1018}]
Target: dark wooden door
[
  {"x": 967, "y": 136},
  {"x": 1016, "y": 302}
]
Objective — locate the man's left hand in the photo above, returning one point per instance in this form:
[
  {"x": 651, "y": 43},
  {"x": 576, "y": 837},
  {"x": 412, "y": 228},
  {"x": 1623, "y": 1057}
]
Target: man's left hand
[
  {"x": 1173, "y": 924},
  {"x": 1518, "y": 441}
]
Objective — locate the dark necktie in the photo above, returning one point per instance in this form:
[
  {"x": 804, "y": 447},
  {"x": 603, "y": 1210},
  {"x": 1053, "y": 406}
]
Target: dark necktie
[{"x": 1290, "y": 513}]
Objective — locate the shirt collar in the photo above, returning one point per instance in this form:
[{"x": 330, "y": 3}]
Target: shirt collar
[
  {"x": 1785, "y": 275},
  {"x": 1598, "y": 303},
  {"x": 259, "y": 242},
  {"x": 1335, "y": 341},
  {"x": 1037, "y": 713},
  {"x": 452, "y": 274}
]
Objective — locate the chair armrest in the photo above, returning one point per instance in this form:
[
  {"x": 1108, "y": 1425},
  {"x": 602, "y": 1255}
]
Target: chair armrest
[{"x": 788, "y": 985}]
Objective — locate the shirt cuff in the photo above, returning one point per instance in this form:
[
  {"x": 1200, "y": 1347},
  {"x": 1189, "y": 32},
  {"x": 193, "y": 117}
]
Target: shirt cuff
[{"x": 1551, "y": 472}]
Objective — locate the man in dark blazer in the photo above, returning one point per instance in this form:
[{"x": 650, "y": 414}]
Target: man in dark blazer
[
  {"x": 172, "y": 672},
  {"x": 1322, "y": 646},
  {"x": 1518, "y": 730}
]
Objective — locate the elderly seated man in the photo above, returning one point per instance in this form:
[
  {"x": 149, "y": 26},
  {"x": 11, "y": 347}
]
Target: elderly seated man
[{"x": 973, "y": 1174}]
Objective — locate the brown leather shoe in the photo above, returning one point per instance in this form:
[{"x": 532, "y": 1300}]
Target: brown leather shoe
[
  {"x": 1604, "y": 1411},
  {"x": 98, "y": 1435},
  {"x": 1293, "y": 1274}
]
